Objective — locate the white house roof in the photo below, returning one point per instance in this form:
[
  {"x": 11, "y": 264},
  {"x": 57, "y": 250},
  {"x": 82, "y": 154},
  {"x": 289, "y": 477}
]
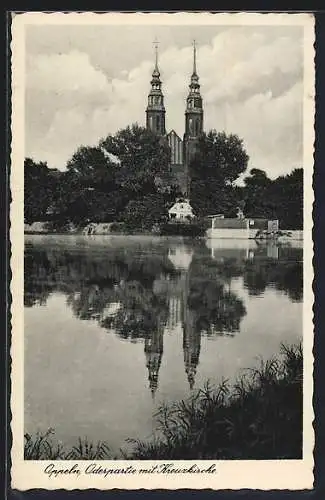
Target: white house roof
[{"x": 181, "y": 206}]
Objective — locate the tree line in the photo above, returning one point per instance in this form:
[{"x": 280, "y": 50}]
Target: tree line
[{"x": 126, "y": 178}]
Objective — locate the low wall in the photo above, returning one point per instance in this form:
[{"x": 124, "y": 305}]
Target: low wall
[
  {"x": 229, "y": 224},
  {"x": 235, "y": 223},
  {"x": 258, "y": 224},
  {"x": 223, "y": 233}
]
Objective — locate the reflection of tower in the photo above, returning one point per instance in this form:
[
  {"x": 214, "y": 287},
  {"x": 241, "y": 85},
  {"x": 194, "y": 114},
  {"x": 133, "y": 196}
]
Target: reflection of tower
[
  {"x": 174, "y": 312},
  {"x": 191, "y": 336},
  {"x": 179, "y": 311},
  {"x": 191, "y": 345},
  {"x": 273, "y": 251},
  {"x": 153, "y": 348},
  {"x": 181, "y": 258}
]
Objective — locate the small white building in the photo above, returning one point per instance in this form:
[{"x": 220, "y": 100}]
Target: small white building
[{"x": 181, "y": 211}]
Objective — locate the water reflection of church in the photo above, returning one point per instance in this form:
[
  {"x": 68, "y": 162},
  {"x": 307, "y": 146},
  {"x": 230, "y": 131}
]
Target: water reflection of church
[
  {"x": 142, "y": 298},
  {"x": 179, "y": 315}
]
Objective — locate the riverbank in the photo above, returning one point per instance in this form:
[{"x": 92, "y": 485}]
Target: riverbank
[
  {"x": 111, "y": 228},
  {"x": 258, "y": 417},
  {"x": 49, "y": 228}
]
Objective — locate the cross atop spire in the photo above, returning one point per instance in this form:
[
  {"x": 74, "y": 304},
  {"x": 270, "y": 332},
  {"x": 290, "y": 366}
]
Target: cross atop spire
[
  {"x": 194, "y": 57},
  {"x": 156, "y": 45}
]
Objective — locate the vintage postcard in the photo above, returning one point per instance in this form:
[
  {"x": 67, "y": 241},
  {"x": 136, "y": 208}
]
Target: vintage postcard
[{"x": 161, "y": 240}]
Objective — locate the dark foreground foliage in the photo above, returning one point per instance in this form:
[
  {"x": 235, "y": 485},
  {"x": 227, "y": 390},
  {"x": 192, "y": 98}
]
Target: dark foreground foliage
[
  {"x": 258, "y": 417},
  {"x": 192, "y": 229}
]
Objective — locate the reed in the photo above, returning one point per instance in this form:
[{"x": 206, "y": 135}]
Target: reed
[{"x": 43, "y": 446}]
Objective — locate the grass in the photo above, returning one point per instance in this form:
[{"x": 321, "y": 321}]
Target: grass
[
  {"x": 257, "y": 417},
  {"x": 42, "y": 447}
]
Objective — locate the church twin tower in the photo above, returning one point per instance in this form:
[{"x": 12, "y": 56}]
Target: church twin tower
[{"x": 181, "y": 151}]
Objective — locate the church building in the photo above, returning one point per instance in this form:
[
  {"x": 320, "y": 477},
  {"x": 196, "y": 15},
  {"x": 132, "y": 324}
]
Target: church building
[{"x": 182, "y": 151}]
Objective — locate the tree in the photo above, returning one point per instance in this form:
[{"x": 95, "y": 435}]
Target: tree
[
  {"x": 218, "y": 162},
  {"x": 145, "y": 212},
  {"x": 257, "y": 179},
  {"x": 143, "y": 156},
  {"x": 257, "y": 200},
  {"x": 92, "y": 168},
  {"x": 288, "y": 195},
  {"x": 281, "y": 198},
  {"x": 101, "y": 181},
  {"x": 40, "y": 184}
]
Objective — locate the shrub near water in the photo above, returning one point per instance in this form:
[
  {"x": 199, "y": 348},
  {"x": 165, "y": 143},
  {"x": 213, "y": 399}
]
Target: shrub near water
[{"x": 259, "y": 417}]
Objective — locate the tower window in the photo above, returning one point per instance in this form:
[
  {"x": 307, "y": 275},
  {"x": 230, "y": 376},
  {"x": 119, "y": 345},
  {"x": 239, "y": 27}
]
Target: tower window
[
  {"x": 196, "y": 127},
  {"x": 158, "y": 123},
  {"x": 191, "y": 125}
]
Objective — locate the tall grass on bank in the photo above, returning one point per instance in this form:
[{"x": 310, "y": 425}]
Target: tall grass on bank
[
  {"x": 42, "y": 447},
  {"x": 258, "y": 417}
]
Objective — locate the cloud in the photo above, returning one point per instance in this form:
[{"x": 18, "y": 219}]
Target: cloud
[
  {"x": 272, "y": 129},
  {"x": 65, "y": 72},
  {"x": 251, "y": 85}
]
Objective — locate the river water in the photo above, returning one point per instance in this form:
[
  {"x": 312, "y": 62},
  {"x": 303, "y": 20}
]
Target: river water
[{"x": 116, "y": 325}]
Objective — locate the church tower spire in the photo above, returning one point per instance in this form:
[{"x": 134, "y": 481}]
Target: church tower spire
[
  {"x": 194, "y": 58},
  {"x": 156, "y": 110},
  {"x": 156, "y": 56},
  {"x": 194, "y": 104},
  {"x": 193, "y": 117}
]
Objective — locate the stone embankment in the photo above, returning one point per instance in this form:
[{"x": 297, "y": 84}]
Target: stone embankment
[{"x": 46, "y": 228}]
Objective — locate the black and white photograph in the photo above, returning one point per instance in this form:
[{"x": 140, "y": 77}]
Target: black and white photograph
[{"x": 161, "y": 239}]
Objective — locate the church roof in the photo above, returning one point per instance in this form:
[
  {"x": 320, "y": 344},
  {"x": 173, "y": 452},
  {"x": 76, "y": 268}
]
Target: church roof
[{"x": 172, "y": 132}]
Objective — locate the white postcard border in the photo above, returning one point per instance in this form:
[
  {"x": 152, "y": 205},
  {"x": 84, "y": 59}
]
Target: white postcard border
[{"x": 264, "y": 475}]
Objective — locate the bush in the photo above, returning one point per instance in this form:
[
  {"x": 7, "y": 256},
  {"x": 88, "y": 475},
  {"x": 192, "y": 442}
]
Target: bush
[
  {"x": 117, "y": 227},
  {"x": 59, "y": 226}
]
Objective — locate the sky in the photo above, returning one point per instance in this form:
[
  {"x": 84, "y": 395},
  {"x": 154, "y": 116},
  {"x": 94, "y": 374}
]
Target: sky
[{"x": 85, "y": 82}]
